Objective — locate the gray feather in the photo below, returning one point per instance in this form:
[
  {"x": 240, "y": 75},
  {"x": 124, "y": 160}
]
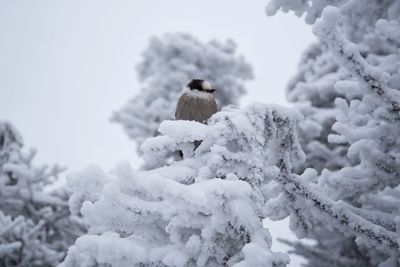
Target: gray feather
[{"x": 195, "y": 108}]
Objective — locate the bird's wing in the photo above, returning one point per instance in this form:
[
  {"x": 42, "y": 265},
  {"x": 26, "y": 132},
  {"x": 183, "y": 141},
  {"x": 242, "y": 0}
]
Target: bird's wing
[{"x": 178, "y": 108}]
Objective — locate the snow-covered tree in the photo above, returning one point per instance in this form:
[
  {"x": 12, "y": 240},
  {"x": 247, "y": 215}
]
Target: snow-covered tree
[
  {"x": 35, "y": 225},
  {"x": 204, "y": 210},
  {"x": 168, "y": 64},
  {"x": 348, "y": 90}
]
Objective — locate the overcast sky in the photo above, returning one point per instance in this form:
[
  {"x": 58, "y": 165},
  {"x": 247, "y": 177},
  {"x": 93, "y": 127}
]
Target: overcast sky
[{"x": 66, "y": 65}]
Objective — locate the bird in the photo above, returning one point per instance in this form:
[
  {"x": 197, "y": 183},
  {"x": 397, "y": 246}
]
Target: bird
[{"x": 196, "y": 103}]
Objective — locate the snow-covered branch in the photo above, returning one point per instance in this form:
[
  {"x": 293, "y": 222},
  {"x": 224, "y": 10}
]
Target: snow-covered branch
[
  {"x": 343, "y": 215},
  {"x": 35, "y": 224},
  {"x": 327, "y": 29},
  {"x": 348, "y": 91},
  {"x": 204, "y": 210}
]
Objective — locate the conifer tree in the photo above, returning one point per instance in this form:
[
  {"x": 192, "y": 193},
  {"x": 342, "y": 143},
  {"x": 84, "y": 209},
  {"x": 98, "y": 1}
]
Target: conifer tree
[
  {"x": 35, "y": 224},
  {"x": 348, "y": 90},
  {"x": 204, "y": 210}
]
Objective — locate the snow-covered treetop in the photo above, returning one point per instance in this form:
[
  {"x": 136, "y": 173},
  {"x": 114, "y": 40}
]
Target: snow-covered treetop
[
  {"x": 168, "y": 64},
  {"x": 35, "y": 224},
  {"x": 10, "y": 142},
  {"x": 204, "y": 210},
  {"x": 16, "y": 163}
]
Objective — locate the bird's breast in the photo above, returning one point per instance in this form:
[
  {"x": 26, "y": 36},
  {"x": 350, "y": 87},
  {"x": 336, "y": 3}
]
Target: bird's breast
[{"x": 195, "y": 108}]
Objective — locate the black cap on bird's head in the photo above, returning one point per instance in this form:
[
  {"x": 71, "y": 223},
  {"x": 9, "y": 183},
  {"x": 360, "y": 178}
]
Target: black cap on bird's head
[{"x": 200, "y": 85}]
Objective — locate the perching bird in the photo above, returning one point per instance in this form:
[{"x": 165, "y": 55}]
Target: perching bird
[{"x": 196, "y": 102}]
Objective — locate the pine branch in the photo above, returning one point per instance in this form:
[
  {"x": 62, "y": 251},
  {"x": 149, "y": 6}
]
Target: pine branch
[
  {"x": 326, "y": 28},
  {"x": 342, "y": 215}
]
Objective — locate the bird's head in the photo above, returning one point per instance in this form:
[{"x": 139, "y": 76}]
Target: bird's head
[{"x": 200, "y": 85}]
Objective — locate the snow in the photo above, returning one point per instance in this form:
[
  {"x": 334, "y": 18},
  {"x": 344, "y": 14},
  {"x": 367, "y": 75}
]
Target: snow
[
  {"x": 331, "y": 167},
  {"x": 203, "y": 210},
  {"x": 347, "y": 90},
  {"x": 35, "y": 225}
]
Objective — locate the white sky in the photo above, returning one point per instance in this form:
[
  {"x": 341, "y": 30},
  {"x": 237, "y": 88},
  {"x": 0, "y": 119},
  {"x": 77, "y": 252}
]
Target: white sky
[{"x": 65, "y": 65}]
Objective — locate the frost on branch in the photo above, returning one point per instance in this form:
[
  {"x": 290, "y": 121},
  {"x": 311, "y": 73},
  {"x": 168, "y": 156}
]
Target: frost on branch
[
  {"x": 168, "y": 64},
  {"x": 35, "y": 225},
  {"x": 204, "y": 210},
  {"x": 312, "y": 91},
  {"x": 348, "y": 90}
]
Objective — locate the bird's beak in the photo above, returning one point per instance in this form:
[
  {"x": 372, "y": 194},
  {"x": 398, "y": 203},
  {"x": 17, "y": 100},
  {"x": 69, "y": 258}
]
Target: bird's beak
[{"x": 211, "y": 90}]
